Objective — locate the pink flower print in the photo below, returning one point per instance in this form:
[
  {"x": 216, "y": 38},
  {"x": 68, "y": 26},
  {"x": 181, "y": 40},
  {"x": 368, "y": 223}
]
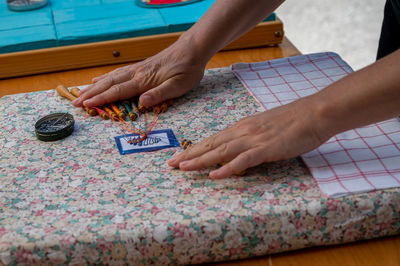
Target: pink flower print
[
  {"x": 351, "y": 234},
  {"x": 274, "y": 245},
  {"x": 92, "y": 181},
  {"x": 25, "y": 256},
  {"x": 273, "y": 201},
  {"x": 385, "y": 225},
  {"x": 3, "y": 231},
  {"x": 286, "y": 190},
  {"x": 121, "y": 226},
  {"x": 120, "y": 201},
  {"x": 146, "y": 250},
  {"x": 68, "y": 163},
  {"x": 332, "y": 204},
  {"x": 187, "y": 191},
  {"x": 201, "y": 206},
  {"x": 236, "y": 250},
  {"x": 300, "y": 224},
  {"x": 93, "y": 212},
  {"x": 155, "y": 210},
  {"x": 179, "y": 230},
  {"x": 76, "y": 166}
]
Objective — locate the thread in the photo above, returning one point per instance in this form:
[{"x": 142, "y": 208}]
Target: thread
[
  {"x": 101, "y": 113},
  {"x": 118, "y": 111},
  {"x": 111, "y": 113}
]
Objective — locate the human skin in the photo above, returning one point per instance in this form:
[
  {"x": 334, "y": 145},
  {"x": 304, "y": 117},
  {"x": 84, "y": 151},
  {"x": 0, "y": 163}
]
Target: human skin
[
  {"x": 364, "y": 97},
  {"x": 180, "y": 67},
  {"x": 361, "y": 98}
]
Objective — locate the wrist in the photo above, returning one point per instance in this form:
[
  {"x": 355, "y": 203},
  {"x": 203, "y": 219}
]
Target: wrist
[
  {"x": 319, "y": 116},
  {"x": 197, "y": 50}
]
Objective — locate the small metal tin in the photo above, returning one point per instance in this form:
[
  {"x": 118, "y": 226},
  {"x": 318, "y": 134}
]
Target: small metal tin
[
  {"x": 25, "y": 5},
  {"x": 54, "y": 126}
]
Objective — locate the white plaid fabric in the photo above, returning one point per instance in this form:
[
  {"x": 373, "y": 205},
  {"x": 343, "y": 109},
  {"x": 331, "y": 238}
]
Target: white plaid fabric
[{"x": 360, "y": 160}]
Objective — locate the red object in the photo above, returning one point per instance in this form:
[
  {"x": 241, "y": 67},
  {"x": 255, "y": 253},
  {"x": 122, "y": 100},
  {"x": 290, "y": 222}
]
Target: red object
[{"x": 163, "y": 3}]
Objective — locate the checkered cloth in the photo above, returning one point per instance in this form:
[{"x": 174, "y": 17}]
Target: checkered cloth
[{"x": 360, "y": 160}]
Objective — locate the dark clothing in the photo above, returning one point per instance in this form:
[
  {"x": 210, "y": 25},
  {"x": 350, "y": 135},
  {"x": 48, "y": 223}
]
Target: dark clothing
[{"x": 390, "y": 34}]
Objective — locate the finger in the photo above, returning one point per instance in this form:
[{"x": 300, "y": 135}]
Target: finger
[
  {"x": 85, "y": 89},
  {"x": 116, "y": 92},
  {"x": 82, "y": 91},
  {"x": 101, "y": 86},
  {"x": 96, "y": 79},
  {"x": 113, "y": 72},
  {"x": 206, "y": 145},
  {"x": 169, "y": 89},
  {"x": 223, "y": 153},
  {"x": 243, "y": 161}
]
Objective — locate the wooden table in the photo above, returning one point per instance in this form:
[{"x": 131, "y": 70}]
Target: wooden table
[{"x": 384, "y": 251}]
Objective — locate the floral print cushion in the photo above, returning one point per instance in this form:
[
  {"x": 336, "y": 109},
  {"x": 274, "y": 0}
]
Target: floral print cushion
[{"x": 79, "y": 201}]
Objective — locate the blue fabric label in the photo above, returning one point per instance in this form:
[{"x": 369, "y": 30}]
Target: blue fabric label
[{"x": 156, "y": 140}]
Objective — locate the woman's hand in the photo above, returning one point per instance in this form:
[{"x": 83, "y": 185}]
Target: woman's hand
[
  {"x": 281, "y": 133},
  {"x": 169, "y": 74},
  {"x": 364, "y": 97},
  {"x": 180, "y": 67}
]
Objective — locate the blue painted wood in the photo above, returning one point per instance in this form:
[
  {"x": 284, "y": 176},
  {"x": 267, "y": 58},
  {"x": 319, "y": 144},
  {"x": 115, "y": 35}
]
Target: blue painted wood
[
  {"x": 181, "y": 18},
  {"x": 65, "y": 22},
  {"x": 63, "y": 4},
  {"x": 116, "y": 1},
  {"x": 27, "y": 38},
  {"x": 271, "y": 17},
  {"x": 21, "y": 31},
  {"x": 106, "y": 22},
  {"x": 13, "y": 20},
  {"x": 118, "y": 9}
]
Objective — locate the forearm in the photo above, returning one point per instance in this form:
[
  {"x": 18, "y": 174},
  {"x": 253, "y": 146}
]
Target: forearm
[
  {"x": 363, "y": 97},
  {"x": 224, "y": 22}
]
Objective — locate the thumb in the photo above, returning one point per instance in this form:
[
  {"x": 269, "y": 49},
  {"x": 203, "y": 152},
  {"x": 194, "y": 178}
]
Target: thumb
[{"x": 167, "y": 90}]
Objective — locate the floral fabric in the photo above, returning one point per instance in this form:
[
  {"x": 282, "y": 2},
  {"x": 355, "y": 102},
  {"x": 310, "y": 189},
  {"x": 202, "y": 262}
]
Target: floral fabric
[{"x": 78, "y": 201}]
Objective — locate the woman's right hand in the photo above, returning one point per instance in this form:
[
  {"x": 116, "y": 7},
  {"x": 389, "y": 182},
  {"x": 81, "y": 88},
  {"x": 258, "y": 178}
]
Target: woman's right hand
[{"x": 168, "y": 74}]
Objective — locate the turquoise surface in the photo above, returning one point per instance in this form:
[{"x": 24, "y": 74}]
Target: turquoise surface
[
  {"x": 26, "y": 30},
  {"x": 106, "y": 22},
  {"x": 73, "y": 22},
  {"x": 180, "y": 18}
]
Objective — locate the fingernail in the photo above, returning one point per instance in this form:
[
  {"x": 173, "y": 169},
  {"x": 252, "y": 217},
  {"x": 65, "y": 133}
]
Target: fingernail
[
  {"x": 214, "y": 174},
  {"x": 147, "y": 99},
  {"x": 87, "y": 102},
  {"x": 76, "y": 101},
  {"x": 173, "y": 158},
  {"x": 183, "y": 164}
]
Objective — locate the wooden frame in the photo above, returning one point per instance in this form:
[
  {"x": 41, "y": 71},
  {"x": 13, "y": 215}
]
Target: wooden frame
[{"x": 118, "y": 51}]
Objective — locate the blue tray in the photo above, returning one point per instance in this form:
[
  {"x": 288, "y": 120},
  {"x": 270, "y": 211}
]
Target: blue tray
[{"x": 70, "y": 22}]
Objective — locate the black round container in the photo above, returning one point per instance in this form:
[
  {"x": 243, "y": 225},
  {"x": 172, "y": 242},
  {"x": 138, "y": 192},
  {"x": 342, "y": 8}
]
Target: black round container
[{"x": 54, "y": 126}]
